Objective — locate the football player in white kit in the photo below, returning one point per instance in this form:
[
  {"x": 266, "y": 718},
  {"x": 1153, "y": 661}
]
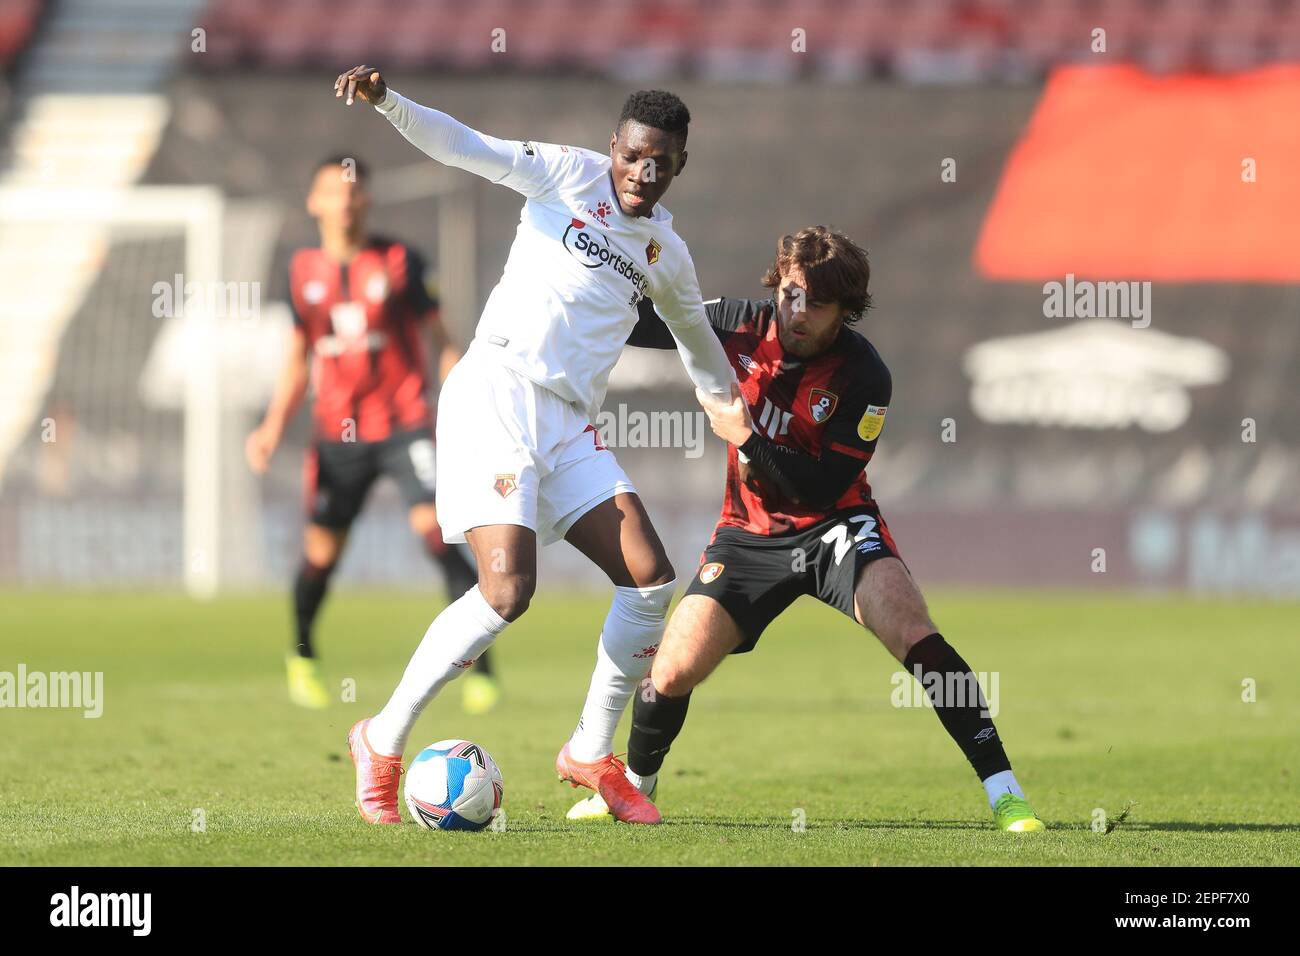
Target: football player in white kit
[{"x": 518, "y": 458}]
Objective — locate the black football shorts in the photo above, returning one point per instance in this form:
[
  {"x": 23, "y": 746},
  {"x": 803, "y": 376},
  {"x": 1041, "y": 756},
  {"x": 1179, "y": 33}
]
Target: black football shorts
[
  {"x": 338, "y": 474},
  {"x": 756, "y": 577}
]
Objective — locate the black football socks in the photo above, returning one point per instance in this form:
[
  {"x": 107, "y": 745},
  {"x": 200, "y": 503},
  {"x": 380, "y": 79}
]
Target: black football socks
[
  {"x": 656, "y": 721},
  {"x": 483, "y": 665},
  {"x": 959, "y": 702},
  {"x": 456, "y": 568},
  {"x": 309, "y": 589}
]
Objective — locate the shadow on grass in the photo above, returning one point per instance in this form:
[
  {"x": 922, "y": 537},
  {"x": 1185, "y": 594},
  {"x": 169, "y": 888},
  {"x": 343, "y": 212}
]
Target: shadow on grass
[
  {"x": 1172, "y": 826},
  {"x": 828, "y": 825}
]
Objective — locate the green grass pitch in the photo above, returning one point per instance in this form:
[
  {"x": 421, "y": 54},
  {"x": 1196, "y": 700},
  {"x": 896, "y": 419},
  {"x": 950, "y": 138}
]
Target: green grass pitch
[{"x": 1106, "y": 702}]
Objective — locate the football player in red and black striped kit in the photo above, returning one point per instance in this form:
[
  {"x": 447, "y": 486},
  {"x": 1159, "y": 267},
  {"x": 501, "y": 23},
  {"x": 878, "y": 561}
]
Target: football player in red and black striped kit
[
  {"x": 798, "y": 516},
  {"x": 362, "y": 314}
]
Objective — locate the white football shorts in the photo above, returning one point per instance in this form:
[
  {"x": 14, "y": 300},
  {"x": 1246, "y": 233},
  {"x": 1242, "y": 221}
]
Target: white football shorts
[{"x": 512, "y": 452}]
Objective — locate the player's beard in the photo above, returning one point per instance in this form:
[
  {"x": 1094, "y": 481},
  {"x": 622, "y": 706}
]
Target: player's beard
[{"x": 806, "y": 346}]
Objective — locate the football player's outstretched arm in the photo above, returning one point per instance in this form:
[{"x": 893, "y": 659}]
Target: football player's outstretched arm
[
  {"x": 682, "y": 309},
  {"x": 725, "y": 315},
  {"x": 447, "y": 140}
]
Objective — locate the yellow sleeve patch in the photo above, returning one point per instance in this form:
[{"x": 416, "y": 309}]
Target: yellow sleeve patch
[{"x": 873, "y": 420}]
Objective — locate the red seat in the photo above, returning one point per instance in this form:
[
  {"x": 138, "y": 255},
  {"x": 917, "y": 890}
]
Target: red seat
[{"x": 17, "y": 23}]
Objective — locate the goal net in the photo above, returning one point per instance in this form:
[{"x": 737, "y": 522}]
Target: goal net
[{"x": 112, "y": 321}]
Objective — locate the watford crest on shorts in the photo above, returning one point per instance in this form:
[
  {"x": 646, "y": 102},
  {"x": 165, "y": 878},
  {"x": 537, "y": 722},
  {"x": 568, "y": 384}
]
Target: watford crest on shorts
[
  {"x": 821, "y": 404},
  {"x": 505, "y": 485}
]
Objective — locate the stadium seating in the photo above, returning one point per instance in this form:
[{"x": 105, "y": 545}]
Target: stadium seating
[
  {"x": 920, "y": 40},
  {"x": 1006, "y": 480}
]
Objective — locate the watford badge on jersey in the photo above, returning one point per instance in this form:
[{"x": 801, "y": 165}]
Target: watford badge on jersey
[
  {"x": 711, "y": 572},
  {"x": 821, "y": 404},
  {"x": 652, "y": 251},
  {"x": 505, "y": 485}
]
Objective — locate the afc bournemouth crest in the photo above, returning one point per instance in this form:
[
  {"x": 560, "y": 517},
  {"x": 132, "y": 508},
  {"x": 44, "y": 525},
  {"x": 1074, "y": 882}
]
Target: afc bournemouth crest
[
  {"x": 652, "y": 251},
  {"x": 505, "y": 485},
  {"x": 821, "y": 404},
  {"x": 711, "y": 572}
]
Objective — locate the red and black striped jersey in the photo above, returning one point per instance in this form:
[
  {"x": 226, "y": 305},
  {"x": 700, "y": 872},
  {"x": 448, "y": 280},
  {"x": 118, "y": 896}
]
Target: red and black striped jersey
[
  {"x": 824, "y": 415},
  {"x": 363, "y": 320}
]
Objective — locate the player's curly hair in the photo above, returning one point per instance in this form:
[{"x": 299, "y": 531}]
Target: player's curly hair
[
  {"x": 659, "y": 109},
  {"x": 834, "y": 266}
]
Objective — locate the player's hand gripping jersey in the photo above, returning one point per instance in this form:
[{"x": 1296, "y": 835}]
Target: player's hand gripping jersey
[
  {"x": 816, "y": 421},
  {"x": 578, "y": 268}
]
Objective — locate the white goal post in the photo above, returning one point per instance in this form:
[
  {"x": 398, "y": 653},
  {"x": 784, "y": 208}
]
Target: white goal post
[{"x": 79, "y": 221}]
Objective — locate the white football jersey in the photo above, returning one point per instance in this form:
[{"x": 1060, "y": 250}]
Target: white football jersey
[{"x": 566, "y": 302}]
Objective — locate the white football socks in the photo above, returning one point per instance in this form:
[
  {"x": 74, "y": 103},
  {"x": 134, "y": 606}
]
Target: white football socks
[
  {"x": 1002, "y": 783},
  {"x": 644, "y": 784},
  {"x": 455, "y": 639},
  {"x": 633, "y": 629}
]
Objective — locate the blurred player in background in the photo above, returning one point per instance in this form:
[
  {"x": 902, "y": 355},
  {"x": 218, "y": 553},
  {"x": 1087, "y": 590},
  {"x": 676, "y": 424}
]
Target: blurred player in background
[
  {"x": 519, "y": 458},
  {"x": 361, "y": 316},
  {"x": 798, "y": 516}
]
